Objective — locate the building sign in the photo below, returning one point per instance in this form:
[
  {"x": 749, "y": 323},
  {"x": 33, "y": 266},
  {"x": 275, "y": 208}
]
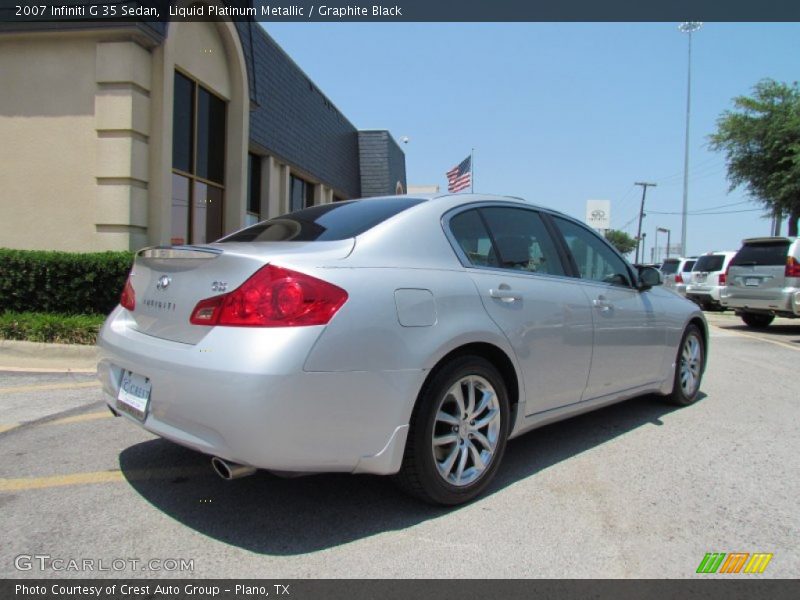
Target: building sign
[{"x": 598, "y": 214}]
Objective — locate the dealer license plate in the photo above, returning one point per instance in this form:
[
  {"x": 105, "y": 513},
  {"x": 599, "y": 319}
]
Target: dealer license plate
[
  {"x": 752, "y": 281},
  {"x": 134, "y": 395}
]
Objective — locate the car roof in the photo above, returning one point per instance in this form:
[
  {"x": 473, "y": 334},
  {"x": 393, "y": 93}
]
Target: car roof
[
  {"x": 777, "y": 238},
  {"x": 454, "y": 200}
]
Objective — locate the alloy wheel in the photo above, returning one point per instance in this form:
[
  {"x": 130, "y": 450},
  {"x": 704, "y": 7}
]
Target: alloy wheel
[{"x": 466, "y": 430}]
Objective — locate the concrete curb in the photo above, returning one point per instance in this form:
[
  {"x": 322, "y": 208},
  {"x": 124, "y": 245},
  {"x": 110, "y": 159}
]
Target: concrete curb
[{"x": 35, "y": 356}]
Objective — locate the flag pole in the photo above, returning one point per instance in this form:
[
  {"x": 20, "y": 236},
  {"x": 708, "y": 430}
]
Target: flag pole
[{"x": 472, "y": 168}]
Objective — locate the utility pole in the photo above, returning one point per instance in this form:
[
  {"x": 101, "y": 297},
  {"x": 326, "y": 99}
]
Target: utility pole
[{"x": 641, "y": 216}]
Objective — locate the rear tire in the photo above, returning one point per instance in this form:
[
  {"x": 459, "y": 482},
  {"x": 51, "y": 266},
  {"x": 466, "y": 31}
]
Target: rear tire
[
  {"x": 757, "y": 320},
  {"x": 458, "y": 433},
  {"x": 689, "y": 367}
]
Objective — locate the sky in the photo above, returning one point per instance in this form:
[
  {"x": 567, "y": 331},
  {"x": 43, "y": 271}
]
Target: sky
[{"x": 559, "y": 113}]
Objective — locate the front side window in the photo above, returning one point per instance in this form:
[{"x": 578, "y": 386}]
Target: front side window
[
  {"x": 594, "y": 257},
  {"x": 198, "y": 163}
]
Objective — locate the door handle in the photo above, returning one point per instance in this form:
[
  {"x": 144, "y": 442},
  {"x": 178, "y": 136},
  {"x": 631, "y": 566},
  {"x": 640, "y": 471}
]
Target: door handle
[
  {"x": 505, "y": 294},
  {"x": 603, "y": 304}
]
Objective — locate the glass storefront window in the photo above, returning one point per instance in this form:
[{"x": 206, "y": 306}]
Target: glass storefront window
[
  {"x": 180, "y": 210},
  {"x": 198, "y": 163}
]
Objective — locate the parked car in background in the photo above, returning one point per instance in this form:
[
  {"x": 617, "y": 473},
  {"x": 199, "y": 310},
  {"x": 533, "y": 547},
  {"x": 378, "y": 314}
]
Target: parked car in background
[
  {"x": 676, "y": 272},
  {"x": 406, "y": 336},
  {"x": 708, "y": 278},
  {"x": 763, "y": 280}
]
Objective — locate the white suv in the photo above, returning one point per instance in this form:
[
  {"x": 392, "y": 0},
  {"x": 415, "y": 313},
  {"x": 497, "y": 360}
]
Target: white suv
[{"x": 708, "y": 279}]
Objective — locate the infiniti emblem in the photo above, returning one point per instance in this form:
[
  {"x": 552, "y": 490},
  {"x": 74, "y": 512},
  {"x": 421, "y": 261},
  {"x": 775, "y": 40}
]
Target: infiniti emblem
[{"x": 163, "y": 282}]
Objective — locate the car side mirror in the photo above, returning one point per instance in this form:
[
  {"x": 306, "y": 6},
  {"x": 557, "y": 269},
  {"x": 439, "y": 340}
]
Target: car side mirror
[{"x": 649, "y": 277}]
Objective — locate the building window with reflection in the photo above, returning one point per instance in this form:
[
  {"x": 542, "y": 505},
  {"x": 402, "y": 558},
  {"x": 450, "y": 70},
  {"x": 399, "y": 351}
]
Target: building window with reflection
[
  {"x": 253, "y": 189},
  {"x": 198, "y": 163},
  {"x": 301, "y": 194}
]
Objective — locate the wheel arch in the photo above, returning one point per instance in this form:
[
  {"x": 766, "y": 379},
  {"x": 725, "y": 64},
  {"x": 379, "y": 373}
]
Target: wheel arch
[
  {"x": 496, "y": 356},
  {"x": 702, "y": 325}
]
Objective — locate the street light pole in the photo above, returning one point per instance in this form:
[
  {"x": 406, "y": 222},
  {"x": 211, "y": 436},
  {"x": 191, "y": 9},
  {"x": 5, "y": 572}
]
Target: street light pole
[
  {"x": 669, "y": 233},
  {"x": 688, "y": 27}
]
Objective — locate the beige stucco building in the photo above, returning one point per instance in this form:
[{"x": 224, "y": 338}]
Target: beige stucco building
[{"x": 135, "y": 134}]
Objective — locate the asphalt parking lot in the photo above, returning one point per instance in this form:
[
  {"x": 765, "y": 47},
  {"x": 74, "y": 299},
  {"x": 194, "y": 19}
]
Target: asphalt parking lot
[{"x": 639, "y": 489}]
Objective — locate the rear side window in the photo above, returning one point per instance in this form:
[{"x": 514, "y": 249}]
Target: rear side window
[
  {"x": 713, "y": 262},
  {"x": 763, "y": 254},
  {"x": 329, "y": 222},
  {"x": 688, "y": 266},
  {"x": 472, "y": 236},
  {"x": 518, "y": 240},
  {"x": 521, "y": 241}
]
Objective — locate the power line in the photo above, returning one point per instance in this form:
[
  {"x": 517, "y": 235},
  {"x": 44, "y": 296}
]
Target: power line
[{"x": 702, "y": 214}]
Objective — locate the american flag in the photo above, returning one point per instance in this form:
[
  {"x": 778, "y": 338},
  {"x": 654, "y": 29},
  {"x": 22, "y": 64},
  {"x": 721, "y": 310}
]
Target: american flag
[{"x": 460, "y": 177}]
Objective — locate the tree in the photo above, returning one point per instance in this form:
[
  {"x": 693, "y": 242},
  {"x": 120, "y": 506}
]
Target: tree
[
  {"x": 621, "y": 240},
  {"x": 761, "y": 141}
]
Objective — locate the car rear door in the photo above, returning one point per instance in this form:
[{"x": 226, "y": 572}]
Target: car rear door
[
  {"x": 522, "y": 280},
  {"x": 629, "y": 327}
]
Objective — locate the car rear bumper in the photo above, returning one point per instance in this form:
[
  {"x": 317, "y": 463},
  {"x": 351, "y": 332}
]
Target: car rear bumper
[
  {"x": 255, "y": 405},
  {"x": 785, "y": 301},
  {"x": 703, "y": 292}
]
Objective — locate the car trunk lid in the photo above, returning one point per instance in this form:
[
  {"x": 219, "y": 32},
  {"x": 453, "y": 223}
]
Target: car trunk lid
[{"x": 168, "y": 282}]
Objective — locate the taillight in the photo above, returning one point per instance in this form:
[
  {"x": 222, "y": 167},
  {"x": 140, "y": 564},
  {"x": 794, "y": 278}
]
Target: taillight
[
  {"x": 678, "y": 278},
  {"x": 792, "y": 267},
  {"x": 272, "y": 297},
  {"x": 723, "y": 277},
  {"x": 128, "y": 297}
]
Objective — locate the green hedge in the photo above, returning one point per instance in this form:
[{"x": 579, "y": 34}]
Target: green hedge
[
  {"x": 62, "y": 282},
  {"x": 59, "y": 329}
]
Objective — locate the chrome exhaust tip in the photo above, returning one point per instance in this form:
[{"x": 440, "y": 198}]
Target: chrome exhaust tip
[{"x": 230, "y": 470}]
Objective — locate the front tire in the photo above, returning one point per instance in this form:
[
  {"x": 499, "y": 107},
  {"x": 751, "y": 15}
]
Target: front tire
[
  {"x": 689, "y": 366},
  {"x": 757, "y": 320},
  {"x": 458, "y": 433}
]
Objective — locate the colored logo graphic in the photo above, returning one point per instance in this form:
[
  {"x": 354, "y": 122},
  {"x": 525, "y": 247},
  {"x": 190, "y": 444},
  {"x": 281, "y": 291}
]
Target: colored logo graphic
[{"x": 735, "y": 562}]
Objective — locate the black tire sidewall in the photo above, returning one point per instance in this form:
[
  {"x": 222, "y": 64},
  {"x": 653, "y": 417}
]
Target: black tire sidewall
[
  {"x": 757, "y": 321},
  {"x": 436, "y": 488},
  {"x": 678, "y": 397}
]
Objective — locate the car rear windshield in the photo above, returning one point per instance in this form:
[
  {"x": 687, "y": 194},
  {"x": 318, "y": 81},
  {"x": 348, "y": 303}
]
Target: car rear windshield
[
  {"x": 713, "y": 262},
  {"x": 670, "y": 267},
  {"x": 329, "y": 222},
  {"x": 762, "y": 253}
]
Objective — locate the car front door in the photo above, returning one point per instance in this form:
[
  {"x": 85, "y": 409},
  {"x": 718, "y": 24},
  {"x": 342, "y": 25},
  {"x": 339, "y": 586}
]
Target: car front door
[
  {"x": 629, "y": 327},
  {"x": 522, "y": 281}
]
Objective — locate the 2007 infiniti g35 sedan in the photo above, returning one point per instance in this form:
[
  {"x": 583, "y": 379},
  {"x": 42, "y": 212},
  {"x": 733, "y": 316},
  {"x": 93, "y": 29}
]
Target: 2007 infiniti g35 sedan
[{"x": 397, "y": 335}]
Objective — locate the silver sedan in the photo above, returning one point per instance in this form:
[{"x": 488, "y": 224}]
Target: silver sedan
[{"x": 399, "y": 336}]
